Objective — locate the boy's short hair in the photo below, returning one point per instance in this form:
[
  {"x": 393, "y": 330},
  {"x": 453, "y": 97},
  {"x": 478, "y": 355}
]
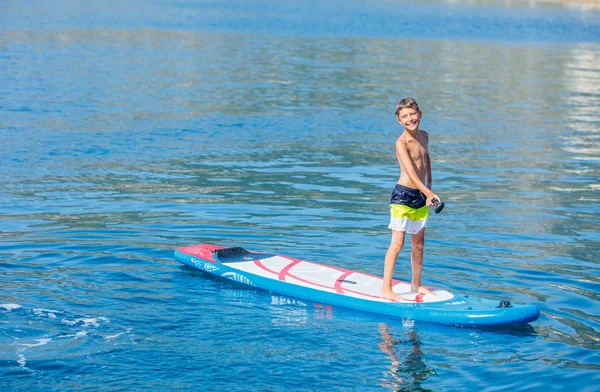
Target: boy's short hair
[{"x": 407, "y": 103}]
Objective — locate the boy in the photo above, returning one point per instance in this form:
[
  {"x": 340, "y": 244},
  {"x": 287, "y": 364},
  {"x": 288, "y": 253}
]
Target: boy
[{"x": 410, "y": 198}]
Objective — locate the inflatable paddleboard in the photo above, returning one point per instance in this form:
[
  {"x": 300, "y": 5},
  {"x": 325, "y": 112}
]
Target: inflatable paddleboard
[{"x": 337, "y": 286}]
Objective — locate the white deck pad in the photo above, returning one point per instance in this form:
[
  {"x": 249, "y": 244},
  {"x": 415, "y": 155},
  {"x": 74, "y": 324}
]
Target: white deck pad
[{"x": 332, "y": 279}]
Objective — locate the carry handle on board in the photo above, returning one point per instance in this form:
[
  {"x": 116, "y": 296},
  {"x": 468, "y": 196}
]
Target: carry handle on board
[{"x": 439, "y": 206}]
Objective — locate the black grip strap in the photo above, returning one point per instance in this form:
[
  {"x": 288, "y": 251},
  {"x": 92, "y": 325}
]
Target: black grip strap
[{"x": 230, "y": 252}]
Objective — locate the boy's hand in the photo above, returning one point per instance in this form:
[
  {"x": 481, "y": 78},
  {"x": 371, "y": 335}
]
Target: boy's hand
[{"x": 433, "y": 200}]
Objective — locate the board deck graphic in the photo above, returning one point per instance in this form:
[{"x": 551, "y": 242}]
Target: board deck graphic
[{"x": 347, "y": 288}]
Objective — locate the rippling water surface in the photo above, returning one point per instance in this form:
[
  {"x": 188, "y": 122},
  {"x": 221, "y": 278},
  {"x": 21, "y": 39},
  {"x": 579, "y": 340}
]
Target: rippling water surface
[{"x": 131, "y": 129}]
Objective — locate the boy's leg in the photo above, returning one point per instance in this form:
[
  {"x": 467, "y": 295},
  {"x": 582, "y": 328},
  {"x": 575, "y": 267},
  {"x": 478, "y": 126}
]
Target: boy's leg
[
  {"x": 416, "y": 258},
  {"x": 390, "y": 263}
]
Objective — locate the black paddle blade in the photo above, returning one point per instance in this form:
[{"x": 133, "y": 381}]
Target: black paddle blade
[{"x": 439, "y": 207}]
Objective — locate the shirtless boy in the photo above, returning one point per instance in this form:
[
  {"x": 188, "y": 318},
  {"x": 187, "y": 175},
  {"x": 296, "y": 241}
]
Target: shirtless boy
[{"x": 410, "y": 198}]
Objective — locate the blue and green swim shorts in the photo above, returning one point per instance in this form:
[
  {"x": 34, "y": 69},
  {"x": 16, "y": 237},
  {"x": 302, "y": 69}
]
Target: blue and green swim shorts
[{"x": 408, "y": 210}]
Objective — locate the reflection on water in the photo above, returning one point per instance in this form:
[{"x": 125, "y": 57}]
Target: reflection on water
[{"x": 407, "y": 370}]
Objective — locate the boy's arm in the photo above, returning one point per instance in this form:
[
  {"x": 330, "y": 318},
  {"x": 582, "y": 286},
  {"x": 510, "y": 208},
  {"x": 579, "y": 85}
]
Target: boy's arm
[
  {"x": 408, "y": 167},
  {"x": 428, "y": 161},
  {"x": 429, "y": 178}
]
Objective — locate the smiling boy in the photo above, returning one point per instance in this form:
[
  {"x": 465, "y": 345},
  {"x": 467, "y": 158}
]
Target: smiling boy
[{"x": 410, "y": 198}]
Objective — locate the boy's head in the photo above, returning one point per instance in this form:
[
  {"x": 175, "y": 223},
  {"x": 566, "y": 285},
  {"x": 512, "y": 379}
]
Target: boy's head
[{"x": 407, "y": 103}]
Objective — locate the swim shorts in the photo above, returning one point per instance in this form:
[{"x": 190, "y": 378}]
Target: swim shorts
[{"x": 408, "y": 210}]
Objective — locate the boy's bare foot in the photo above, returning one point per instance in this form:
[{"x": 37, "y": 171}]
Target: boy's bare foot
[
  {"x": 424, "y": 290},
  {"x": 389, "y": 294}
]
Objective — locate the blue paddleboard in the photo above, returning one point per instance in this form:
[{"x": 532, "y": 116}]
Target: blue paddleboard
[{"x": 350, "y": 289}]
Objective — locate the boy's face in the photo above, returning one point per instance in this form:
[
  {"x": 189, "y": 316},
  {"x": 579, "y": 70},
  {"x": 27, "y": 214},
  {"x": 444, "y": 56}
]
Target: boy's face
[{"x": 409, "y": 118}]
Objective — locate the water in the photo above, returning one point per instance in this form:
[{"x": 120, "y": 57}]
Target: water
[{"x": 132, "y": 128}]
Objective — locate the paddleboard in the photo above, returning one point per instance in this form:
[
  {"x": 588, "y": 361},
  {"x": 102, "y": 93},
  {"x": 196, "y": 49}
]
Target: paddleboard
[{"x": 351, "y": 289}]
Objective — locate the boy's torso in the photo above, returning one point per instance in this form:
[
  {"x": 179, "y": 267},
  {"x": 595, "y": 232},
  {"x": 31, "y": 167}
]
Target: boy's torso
[{"x": 416, "y": 147}]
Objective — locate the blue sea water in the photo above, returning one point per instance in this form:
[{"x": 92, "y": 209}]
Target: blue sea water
[{"x": 131, "y": 128}]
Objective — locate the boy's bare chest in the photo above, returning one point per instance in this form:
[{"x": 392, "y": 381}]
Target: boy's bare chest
[{"x": 417, "y": 150}]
